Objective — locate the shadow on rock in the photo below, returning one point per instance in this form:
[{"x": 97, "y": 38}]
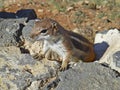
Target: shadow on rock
[
  {"x": 6, "y": 15},
  {"x": 26, "y": 13},
  {"x": 23, "y": 13},
  {"x": 12, "y": 24},
  {"x": 100, "y": 49}
]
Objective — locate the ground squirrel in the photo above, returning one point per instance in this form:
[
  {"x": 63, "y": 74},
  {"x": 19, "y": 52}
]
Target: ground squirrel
[{"x": 68, "y": 45}]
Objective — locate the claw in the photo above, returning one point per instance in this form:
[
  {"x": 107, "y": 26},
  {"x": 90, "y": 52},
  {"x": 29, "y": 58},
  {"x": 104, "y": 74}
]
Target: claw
[
  {"x": 62, "y": 69},
  {"x": 64, "y": 66},
  {"x": 37, "y": 56}
]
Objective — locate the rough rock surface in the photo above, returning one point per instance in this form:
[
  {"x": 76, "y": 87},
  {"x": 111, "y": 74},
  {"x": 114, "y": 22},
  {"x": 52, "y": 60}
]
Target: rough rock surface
[
  {"x": 116, "y": 59},
  {"x": 11, "y": 25},
  {"x": 111, "y": 49},
  {"x": 20, "y": 71},
  {"x": 88, "y": 76},
  {"x": 27, "y": 30},
  {"x": 29, "y": 44},
  {"x": 10, "y": 31}
]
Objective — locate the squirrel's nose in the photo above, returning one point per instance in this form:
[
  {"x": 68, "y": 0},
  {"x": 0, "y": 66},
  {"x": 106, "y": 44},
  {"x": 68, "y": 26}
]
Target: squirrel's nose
[{"x": 34, "y": 34}]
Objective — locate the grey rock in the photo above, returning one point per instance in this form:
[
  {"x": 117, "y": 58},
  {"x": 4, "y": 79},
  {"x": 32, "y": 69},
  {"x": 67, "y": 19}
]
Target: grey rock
[
  {"x": 27, "y": 30},
  {"x": 19, "y": 71},
  {"x": 88, "y": 76},
  {"x": 26, "y": 59},
  {"x": 105, "y": 39},
  {"x": 11, "y": 26},
  {"x": 112, "y": 38},
  {"x": 52, "y": 85},
  {"x": 116, "y": 58},
  {"x": 22, "y": 79},
  {"x": 10, "y": 31},
  {"x": 100, "y": 44},
  {"x": 34, "y": 47},
  {"x": 34, "y": 86}
]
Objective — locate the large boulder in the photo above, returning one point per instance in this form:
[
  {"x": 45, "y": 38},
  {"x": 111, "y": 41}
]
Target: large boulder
[
  {"x": 20, "y": 71},
  {"x": 107, "y": 46},
  {"x": 10, "y": 31},
  {"x": 88, "y": 76}
]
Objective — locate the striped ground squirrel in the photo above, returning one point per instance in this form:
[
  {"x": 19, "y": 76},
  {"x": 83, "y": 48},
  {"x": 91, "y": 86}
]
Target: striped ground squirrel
[{"x": 68, "y": 45}]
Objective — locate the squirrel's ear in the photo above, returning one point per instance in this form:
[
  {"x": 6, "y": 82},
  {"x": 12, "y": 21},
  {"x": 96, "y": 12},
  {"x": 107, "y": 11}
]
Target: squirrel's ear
[{"x": 54, "y": 27}]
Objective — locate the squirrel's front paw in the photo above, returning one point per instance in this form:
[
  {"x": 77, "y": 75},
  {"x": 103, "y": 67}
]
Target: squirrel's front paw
[
  {"x": 51, "y": 55},
  {"x": 64, "y": 66},
  {"x": 38, "y": 56}
]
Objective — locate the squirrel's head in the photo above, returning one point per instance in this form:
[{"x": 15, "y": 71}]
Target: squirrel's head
[{"x": 44, "y": 29}]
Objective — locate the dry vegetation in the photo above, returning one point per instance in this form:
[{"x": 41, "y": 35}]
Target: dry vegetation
[{"x": 86, "y": 15}]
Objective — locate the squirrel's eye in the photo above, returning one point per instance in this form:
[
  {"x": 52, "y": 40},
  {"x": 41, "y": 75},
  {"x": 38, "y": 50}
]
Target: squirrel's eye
[{"x": 44, "y": 31}]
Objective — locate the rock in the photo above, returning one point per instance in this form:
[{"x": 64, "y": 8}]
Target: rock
[
  {"x": 9, "y": 69},
  {"x": 103, "y": 40},
  {"x": 34, "y": 86},
  {"x": 34, "y": 47},
  {"x": 116, "y": 59},
  {"x": 88, "y": 76},
  {"x": 18, "y": 71},
  {"x": 113, "y": 61},
  {"x": 108, "y": 44},
  {"x": 10, "y": 31},
  {"x": 29, "y": 44},
  {"x": 27, "y": 30}
]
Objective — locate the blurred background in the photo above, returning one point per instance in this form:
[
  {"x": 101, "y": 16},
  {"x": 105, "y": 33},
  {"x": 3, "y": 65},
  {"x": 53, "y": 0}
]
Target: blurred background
[{"x": 95, "y": 15}]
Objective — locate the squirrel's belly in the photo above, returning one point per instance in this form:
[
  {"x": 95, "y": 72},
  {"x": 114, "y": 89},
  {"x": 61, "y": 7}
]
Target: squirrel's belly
[{"x": 60, "y": 49}]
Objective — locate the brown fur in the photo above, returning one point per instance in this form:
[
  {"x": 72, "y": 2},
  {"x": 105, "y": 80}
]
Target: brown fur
[{"x": 76, "y": 47}]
